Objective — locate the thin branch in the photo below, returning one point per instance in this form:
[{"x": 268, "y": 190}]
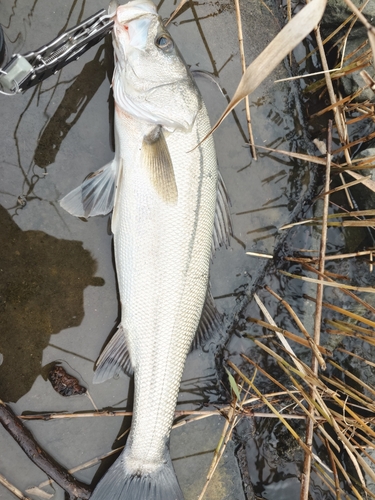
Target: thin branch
[{"x": 45, "y": 462}]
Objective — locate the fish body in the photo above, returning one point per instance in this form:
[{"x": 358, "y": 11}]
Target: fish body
[{"x": 162, "y": 186}]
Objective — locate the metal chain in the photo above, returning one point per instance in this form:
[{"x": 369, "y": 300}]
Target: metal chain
[{"x": 25, "y": 71}]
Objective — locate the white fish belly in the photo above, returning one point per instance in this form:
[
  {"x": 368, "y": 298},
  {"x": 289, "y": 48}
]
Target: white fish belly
[{"x": 162, "y": 256}]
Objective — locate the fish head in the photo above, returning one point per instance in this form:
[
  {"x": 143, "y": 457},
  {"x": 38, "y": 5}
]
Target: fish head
[{"x": 151, "y": 80}]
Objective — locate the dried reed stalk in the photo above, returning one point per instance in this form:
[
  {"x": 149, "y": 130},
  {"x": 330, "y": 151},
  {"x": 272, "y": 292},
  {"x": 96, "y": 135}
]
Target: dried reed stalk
[
  {"x": 243, "y": 65},
  {"x": 12, "y": 488},
  {"x": 305, "y": 479},
  {"x": 344, "y": 290},
  {"x": 311, "y": 341}
]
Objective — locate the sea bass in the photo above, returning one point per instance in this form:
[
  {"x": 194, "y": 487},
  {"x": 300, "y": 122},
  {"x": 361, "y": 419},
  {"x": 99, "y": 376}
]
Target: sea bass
[{"x": 169, "y": 210}]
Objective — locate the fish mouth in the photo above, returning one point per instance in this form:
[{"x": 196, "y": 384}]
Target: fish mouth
[
  {"x": 131, "y": 23},
  {"x": 131, "y": 27},
  {"x": 136, "y": 9}
]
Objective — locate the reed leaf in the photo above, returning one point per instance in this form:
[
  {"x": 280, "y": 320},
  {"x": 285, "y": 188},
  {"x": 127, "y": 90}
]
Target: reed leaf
[{"x": 284, "y": 42}]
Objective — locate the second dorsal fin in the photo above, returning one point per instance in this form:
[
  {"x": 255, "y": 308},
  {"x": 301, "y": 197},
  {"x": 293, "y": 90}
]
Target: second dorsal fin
[
  {"x": 210, "y": 322},
  {"x": 223, "y": 229}
]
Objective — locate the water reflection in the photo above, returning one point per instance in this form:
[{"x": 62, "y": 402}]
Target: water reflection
[{"x": 41, "y": 293}]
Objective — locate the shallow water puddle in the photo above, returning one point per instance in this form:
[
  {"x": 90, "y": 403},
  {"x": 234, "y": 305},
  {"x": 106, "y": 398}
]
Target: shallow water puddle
[{"x": 60, "y": 298}]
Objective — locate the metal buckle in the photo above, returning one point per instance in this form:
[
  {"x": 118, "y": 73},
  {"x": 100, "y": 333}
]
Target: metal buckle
[
  {"x": 23, "y": 72},
  {"x": 16, "y": 70}
]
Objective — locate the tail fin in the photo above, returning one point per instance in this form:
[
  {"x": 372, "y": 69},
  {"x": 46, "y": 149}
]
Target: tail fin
[{"x": 120, "y": 484}]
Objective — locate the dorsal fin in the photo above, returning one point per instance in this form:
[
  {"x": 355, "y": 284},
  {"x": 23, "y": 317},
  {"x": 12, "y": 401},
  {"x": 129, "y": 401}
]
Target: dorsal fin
[
  {"x": 223, "y": 224},
  {"x": 210, "y": 322},
  {"x": 157, "y": 160}
]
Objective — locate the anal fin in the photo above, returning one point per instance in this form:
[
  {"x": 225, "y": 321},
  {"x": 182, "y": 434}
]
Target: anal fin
[{"x": 114, "y": 359}]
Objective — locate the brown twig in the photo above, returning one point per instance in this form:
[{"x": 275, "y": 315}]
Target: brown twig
[
  {"x": 57, "y": 416},
  {"x": 104, "y": 413},
  {"x": 46, "y": 463}
]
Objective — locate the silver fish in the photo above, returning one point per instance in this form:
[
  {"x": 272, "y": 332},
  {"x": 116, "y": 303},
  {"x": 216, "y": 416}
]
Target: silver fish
[{"x": 169, "y": 205}]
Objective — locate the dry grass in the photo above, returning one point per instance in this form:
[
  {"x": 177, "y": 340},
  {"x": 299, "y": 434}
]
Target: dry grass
[{"x": 338, "y": 409}]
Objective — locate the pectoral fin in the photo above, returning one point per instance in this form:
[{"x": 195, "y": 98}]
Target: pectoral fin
[
  {"x": 157, "y": 160},
  {"x": 95, "y": 196}
]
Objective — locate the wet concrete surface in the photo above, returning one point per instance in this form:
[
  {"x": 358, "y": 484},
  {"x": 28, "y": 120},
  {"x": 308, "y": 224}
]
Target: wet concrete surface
[{"x": 61, "y": 285}]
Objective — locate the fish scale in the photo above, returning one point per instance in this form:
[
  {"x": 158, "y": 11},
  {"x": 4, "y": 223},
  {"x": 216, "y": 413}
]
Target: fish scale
[
  {"x": 165, "y": 182},
  {"x": 161, "y": 330}
]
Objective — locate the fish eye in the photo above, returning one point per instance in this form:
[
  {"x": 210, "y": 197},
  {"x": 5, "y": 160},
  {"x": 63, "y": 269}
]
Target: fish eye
[{"x": 164, "y": 42}]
